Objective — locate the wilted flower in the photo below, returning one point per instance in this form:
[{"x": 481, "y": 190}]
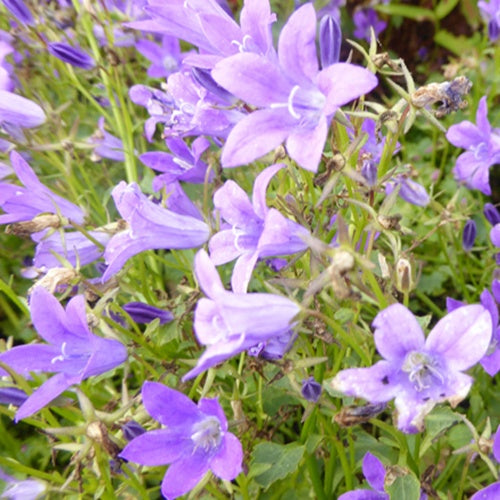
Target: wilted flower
[
  {"x": 420, "y": 372},
  {"x": 195, "y": 440},
  {"x": 71, "y": 55},
  {"x": 72, "y": 352},
  {"x": 229, "y": 323}
]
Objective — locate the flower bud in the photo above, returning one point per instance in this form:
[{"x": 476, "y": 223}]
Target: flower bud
[
  {"x": 330, "y": 39},
  {"x": 71, "y": 55},
  {"x": 144, "y": 313},
  {"x": 132, "y": 429},
  {"x": 12, "y": 396},
  {"x": 469, "y": 235},
  {"x": 491, "y": 213},
  {"x": 19, "y": 10},
  {"x": 404, "y": 279},
  {"x": 369, "y": 172},
  {"x": 311, "y": 390}
]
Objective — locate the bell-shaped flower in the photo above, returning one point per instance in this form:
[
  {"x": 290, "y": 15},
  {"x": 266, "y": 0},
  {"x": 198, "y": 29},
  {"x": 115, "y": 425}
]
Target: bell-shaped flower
[
  {"x": 252, "y": 230},
  {"x": 25, "y": 203},
  {"x": 228, "y": 323},
  {"x": 195, "y": 440},
  {"x": 71, "y": 55},
  {"x": 296, "y": 100},
  {"x": 419, "y": 372},
  {"x": 72, "y": 351},
  {"x": 19, "y": 111},
  {"x": 150, "y": 226},
  {"x": 483, "y": 149}
]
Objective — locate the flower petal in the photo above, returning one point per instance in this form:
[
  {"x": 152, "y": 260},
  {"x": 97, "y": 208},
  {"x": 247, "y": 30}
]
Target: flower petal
[
  {"x": 397, "y": 332},
  {"x": 235, "y": 207},
  {"x": 242, "y": 272},
  {"x": 462, "y": 336},
  {"x": 24, "y": 359},
  {"x": 227, "y": 464},
  {"x": 374, "y": 471},
  {"x": 464, "y": 135},
  {"x": 491, "y": 492},
  {"x": 157, "y": 447},
  {"x": 207, "y": 276},
  {"x": 260, "y": 189},
  {"x": 168, "y": 406}
]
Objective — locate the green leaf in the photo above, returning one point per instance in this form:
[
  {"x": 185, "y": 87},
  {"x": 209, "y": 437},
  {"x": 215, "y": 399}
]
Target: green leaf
[
  {"x": 404, "y": 488},
  {"x": 409, "y": 11},
  {"x": 282, "y": 461},
  {"x": 436, "y": 423},
  {"x": 455, "y": 44},
  {"x": 445, "y": 7}
]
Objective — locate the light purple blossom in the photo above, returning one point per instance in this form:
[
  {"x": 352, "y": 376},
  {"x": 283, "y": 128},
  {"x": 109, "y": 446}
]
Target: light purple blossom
[
  {"x": 252, "y": 230},
  {"x": 19, "y": 111},
  {"x": 409, "y": 190},
  {"x": 228, "y": 323},
  {"x": 183, "y": 163},
  {"x": 296, "y": 100},
  {"x": 491, "y": 360},
  {"x": 364, "y": 19},
  {"x": 420, "y": 372},
  {"x": 195, "y": 440},
  {"x": 20, "y": 11},
  {"x": 165, "y": 59},
  {"x": 469, "y": 235},
  {"x": 72, "y": 351},
  {"x": 106, "y": 144},
  {"x": 150, "y": 226},
  {"x": 25, "y": 203},
  {"x": 483, "y": 149},
  {"x": 490, "y": 11},
  {"x": 26, "y": 489}
]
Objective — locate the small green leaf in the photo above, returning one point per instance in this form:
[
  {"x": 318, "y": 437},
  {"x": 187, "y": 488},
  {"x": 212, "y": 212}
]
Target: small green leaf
[
  {"x": 404, "y": 488},
  {"x": 409, "y": 11},
  {"x": 282, "y": 461},
  {"x": 444, "y": 7}
]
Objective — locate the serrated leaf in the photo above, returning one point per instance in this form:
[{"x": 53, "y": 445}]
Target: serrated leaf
[
  {"x": 404, "y": 488},
  {"x": 282, "y": 459}
]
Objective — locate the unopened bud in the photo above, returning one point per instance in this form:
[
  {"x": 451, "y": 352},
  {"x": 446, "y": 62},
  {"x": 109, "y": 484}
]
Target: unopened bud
[
  {"x": 404, "y": 281},
  {"x": 330, "y": 39},
  {"x": 311, "y": 390},
  {"x": 469, "y": 235},
  {"x": 491, "y": 213}
]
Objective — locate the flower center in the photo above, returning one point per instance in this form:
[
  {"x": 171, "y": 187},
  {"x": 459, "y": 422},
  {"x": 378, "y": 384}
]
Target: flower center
[
  {"x": 422, "y": 369},
  {"x": 480, "y": 151},
  {"x": 207, "y": 434}
]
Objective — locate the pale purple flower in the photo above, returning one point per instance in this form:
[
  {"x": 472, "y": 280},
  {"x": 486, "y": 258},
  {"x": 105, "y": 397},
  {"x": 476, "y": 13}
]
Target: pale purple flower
[
  {"x": 491, "y": 492},
  {"x": 73, "y": 247},
  {"x": 364, "y": 19},
  {"x": 195, "y": 440},
  {"x": 374, "y": 472},
  {"x": 6, "y": 70},
  {"x": 183, "y": 163},
  {"x": 150, "y": 226},
  {"x": 490, "y": 12},
  {"x": 296, "y": 100},
  {"x": 311, "y": 390},
  {"x": 19, "y": 111},
  {"x": 420, "y": 372},
  {"x": 26, "y": 489},
  {"x": 107, "y": 145},
  {"x": 275, "y": 347},
  {"x": 409, "y": 190},
  {"x": 72, "y": 351},
  {"x": 491, "y": 360},
  {"x": 330, "y": 40},
  {"x": 205, "y": 24},
  {"x": 25, "y": 203},
  {"x": 483, "y": 149},
  {"x": 165, "y": 59},
  {"x": 228, "y": 323},
  {"x": 252, "y": 230},
  {"x": 71, "y": 55}
]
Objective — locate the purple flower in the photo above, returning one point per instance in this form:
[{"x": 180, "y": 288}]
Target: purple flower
[
  {"x": 252, "y": 230},
  {"x": 107, "y": 145},
  {"x": 184, "y": 164},
  {"x": 205, "y": 24},
  {"x": 145, "y": 313},
  {"x": 165, "y": 59},
  {"x": 491, "y": 213},
  {"x": 27, "y": 489},
  {"x": 420, "y": 372},
  {"x": 491, "y": 492},
  {"x": 19, "y": 111},
  {"x": 25, "y": 203},
  {"x": 19, "y": 10},
  {"x": 330, "y": 40},
  {"x": 491, "y": 360},
  {"x": 72, "y": 352},
  {"x": 491, "y": 14},
  {"x": 12, "y": 396},
  {"x": 194, "y": 441},
  {"x": 469, "y": 235},
  {"x": 229, "y": 323},
  {"x": 297, "y": 100},
  {"x": 409, "y": 190},
  {"x": 311, "y": 390},
  {"x": 374, "y": 472},
  {"x": 150, "y": 226},
  {"x": 132, "y": 429},
  {"x": 364, "y": 19},
  {"x": 483, "y": 149},
  {"x": 71, "y": 55}
]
